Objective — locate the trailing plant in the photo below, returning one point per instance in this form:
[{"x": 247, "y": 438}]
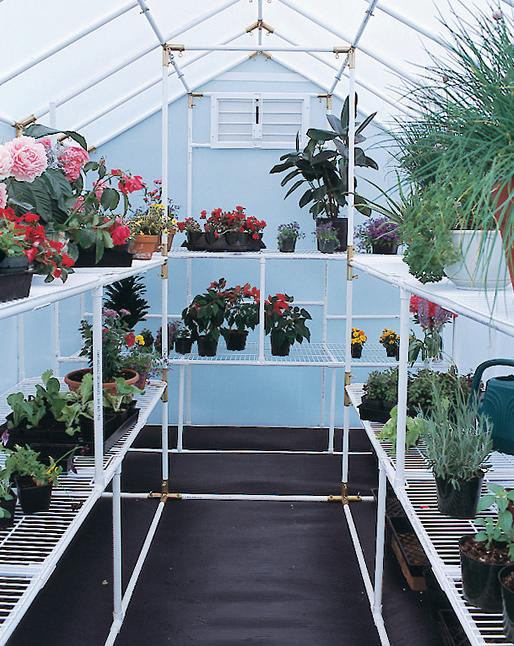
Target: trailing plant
[
  {"x": 322, "y": 166},
  {"x": 458, "y": 439}
]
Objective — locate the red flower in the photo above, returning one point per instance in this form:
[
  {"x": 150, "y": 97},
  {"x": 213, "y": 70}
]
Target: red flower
[
  {"x": 119, "y": 234},
  {"x": 130, "y": 339}
]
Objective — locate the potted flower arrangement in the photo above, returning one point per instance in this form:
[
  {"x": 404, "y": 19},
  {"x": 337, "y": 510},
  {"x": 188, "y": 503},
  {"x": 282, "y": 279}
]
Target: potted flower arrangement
[
  {"x": 147, "y": 225},
  {"x": 431, "y": 318},
  {"x": 458, "y": 444},
  {"x": 287, "y": 235},
  {"x": 379, "y": 235},
  {"x": 33, "y": 479},
  {"x": 380, "y": 395},
  {"x": 391, "y": 342},
  {"x": 142, "y": 359},
  {"x": 322, "y": 169},
  {"x": 117, "y": 337},
  {"x": 327, "y": 238},
  {"x": 205, "y": 316},
  {"x": 241, "y": 315},
  {"x": 357, "y": 341},
  {"x": 285, "y": 323},
  {"x": 224, "y": 231},
  {"x": 181, "y": 339}
]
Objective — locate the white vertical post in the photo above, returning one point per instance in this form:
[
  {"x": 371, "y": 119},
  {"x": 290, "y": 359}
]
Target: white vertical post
[
  {"x": 20, "y": 326},
  {"x": 351, "y": 146},
  {"x": 332, "y": 411},
  {"x": 189, "y": 298},
  {"x": 189, "y": 195},
  {"x": 57, "y": 339},
  {"x": 324, "y": 343},
  {"x": 402, "y": 388},
  {"x": 116, "y": 543},
  {"x": 262, "y": 292},
  {"x": 380, "y": 539},
  {"x": 180, "y": 423},
  {"x": 97, "y": 384}
]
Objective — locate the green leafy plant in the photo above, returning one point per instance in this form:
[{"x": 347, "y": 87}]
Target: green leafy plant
[
  {"x": 23, "y": 461},
  {"x": 5, "y": 493},
  {"x": 382, "y": 385},
  {"x": 322, "y": 166},
  {"x": 325, "y": 232},
  {"x": 284, "y": 321},
  {"x": 241, "y": 307},
  {"x": 414, "y": 428},
  {"x": 206, "y": 313},
  {"x": 499, "y": 529},
  {"x": 126, "y": 297},
  {"x": 289, "y": 231},
  {"x": 458, "y": 439}
]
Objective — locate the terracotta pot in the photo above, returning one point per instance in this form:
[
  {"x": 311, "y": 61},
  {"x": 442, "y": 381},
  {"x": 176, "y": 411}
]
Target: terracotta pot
[
  {"x": 503, "y": 201},
  {"x": 143, "y": 247},
  {"x": 74, "y": 379}
]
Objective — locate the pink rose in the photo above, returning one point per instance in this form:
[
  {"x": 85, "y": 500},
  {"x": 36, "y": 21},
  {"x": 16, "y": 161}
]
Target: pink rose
[
  {"x": 29, "y": 158},
  {"x": 72, "y": 159},
  {"x": 119, "y": 234},
  {"x": 6, "y": 162},
  {"x": 3, "y": 195}
]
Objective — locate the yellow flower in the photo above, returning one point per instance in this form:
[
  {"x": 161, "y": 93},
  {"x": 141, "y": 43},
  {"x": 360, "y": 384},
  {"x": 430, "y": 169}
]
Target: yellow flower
[{"x": 140, "y": 339}]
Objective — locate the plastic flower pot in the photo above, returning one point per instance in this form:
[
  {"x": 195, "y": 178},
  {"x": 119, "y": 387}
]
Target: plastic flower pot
[
  {"x": 10, "y": 506},
  {"x": 74, "y": 379},
  {"x": 341, "y": 227},
  {"x": 459, "y": 502},
  {"x": 356, "y": 351},
  {"x": 33, "y": 498},
  {"x": 507, "y": 592},
  {"x": 207, "y": 347},
  {"x": 480, "y": 582},
  {"x": 118, "y": 256},
  {"x": 235, "y": 237},
  {"x": 183, "y": 344},
  {"x": 287, "y": 245},
  {"x": 235, "y": 339},
  {"x": 384, "y": 249},
  {"x": 327, "y": 246},
  {"x": 393, "y": 351},
  {"x": 279, "y": 349}
]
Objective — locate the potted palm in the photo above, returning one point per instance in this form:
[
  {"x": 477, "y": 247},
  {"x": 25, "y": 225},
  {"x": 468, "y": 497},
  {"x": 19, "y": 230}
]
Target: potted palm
[
  {"x": 205, "y": 316},
  {"x": 241, "y": 315},
  {"x": 285, "y": 323},
  {"x": 458, "y": 444},
  {"x": 287, "y": 235},
  {"x": 321, "y": 168}
]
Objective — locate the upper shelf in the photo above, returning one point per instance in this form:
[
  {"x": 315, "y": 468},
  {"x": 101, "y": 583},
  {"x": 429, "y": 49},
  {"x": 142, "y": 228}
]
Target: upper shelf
[
  {"x": 83, "y": 280},
  {"x": 495, "y": 309},
  {"x": 267, "y": 254}
]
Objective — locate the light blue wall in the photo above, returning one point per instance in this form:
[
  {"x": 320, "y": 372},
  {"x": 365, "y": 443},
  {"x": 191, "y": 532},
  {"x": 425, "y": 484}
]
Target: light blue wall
[{"x": 226, "y": 178}]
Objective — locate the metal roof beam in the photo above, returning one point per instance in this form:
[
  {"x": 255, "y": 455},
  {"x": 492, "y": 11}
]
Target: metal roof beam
[
  {"x": 328, "y": 27},
  {"x": 251, "y": 48},
  {"x": 65, "y": 43},
  {"x": 105, "y": 75},
  {"x": 145, "y": 10}
]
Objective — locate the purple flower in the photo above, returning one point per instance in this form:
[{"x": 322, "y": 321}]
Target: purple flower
[
  {"x": 378, "y": 231},
  {"x": 5, "y": 437}
]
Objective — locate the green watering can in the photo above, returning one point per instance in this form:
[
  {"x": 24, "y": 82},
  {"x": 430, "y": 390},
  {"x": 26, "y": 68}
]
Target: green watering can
[{"x": 498, "y": 404}]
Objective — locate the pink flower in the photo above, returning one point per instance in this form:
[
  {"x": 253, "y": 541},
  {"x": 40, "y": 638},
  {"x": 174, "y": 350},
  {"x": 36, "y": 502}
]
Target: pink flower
[
  {"x": 29, "y": 158},
  {"x": 6, "y": 162},
  {"x": 98, "y": 188},
  {"x": 120, "y": 234},
  {"x": 497, "y": 15},
  {"x": 3, "y": 195},
  {"x": 130, "y": 184},
  {"x": 72, "y": 159}
]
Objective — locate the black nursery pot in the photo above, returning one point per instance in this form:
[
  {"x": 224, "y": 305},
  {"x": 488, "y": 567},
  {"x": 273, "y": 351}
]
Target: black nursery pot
[
  {"x": 183, "y": 345},
  {"x": 287, "y": 245},
  {"x": 10, "y": 506},
  {"x": 508, "y": 602},
  {"x": 480, "y": 582},
  {"x": 279, "y": 349},
  {"x": 458, "y": 503},
  {"x": 207, "y": 347},
  {"x": 235, "y": 340},
  {"x": 33, "y": 498}
]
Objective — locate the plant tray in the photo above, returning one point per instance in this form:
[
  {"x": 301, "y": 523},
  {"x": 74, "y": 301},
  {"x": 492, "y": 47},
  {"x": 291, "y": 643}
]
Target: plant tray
[
  {"x": 200, "y": 244},
  {"x": 118, "y": 256},
  {"x": 375, "y": 410},
  {"x": 14, "y": 286},
  {"x": 115, "y": 425},
  {"x": 451, "y": 630},
  {"x": 394, "y": 507},
  {"x": 409, "y": 552}
]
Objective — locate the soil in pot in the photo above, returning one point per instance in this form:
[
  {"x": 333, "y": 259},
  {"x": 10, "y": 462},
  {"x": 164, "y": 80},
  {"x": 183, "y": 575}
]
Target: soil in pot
[
  {"x": 480, "y": 568},
  {"x": 74, "y": 379},
  {"x": 459, "y": 502},
  {"x": 33, "y": 498}
]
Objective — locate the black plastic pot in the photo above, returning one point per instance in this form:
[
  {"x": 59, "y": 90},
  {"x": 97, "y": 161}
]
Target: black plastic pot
[
  {"x": 459, "y": 502},
  {"x": 235, "y": 340},
  {"x": 207, "y": 347},
  {"x": 341, "y": 227},
  {"x": 279, "y": 349},
  {"x": 10, "y": 506},
  {"x": 508, "y": 603},
  {"x": 327, "y": 246},
  {"x": 287, "y": 245},
  {"x": 183, "y": 344},
  {"x": 118, "y": 256},
  {"x": 480, "y": 582},
  {"x": 375, "y": 410},
  {"x": 385, "y": 249},
  {"x": 15, "y": 285},
  {"x": 33, "y": 498}
]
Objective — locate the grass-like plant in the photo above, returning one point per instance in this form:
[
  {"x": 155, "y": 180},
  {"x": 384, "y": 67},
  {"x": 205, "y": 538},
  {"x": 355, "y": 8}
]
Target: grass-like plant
[{"x": 458, "y": 439}]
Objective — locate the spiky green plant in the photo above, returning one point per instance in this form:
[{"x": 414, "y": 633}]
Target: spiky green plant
[{"x": 127, "y": 294}]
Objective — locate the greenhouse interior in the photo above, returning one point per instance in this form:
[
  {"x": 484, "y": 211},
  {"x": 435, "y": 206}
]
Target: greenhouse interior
[{"x": 256, "y": 289}]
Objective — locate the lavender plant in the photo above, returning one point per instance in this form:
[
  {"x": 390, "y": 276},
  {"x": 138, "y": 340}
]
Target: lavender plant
[{"x": 378, "y": 231}]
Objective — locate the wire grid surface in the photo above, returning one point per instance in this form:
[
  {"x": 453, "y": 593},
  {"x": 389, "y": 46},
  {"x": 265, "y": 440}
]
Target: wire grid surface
[
  {"x": 268, "y": 254},
  {"x": 30, "y": 548},
  {"x": 440, "y": 534}
]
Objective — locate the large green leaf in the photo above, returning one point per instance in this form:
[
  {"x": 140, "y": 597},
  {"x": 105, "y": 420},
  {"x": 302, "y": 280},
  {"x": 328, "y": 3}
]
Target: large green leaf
[
  {"x": 320, "y": 135},
  {"x": 366, "y": 121},
  {"x": 37, "y": 195},
  {"x": 323, "y": 156},
  {"x": 279, "y": 168},
  {"x": 289, "y": 177},
  {"x": 294, "y": 187},
  {"x": 336, "y": 124},
  {"x": 37, "y": 130},
  {"x": 110, "y": 199},
  {"x": 306, "y": 198}
]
